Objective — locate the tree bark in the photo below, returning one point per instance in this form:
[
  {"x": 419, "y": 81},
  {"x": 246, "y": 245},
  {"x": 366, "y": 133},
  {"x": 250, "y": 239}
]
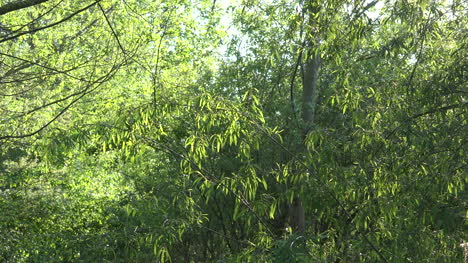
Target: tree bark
[
  {"x": 310, "y": 92},
  {"x": 17, "y": 5}
]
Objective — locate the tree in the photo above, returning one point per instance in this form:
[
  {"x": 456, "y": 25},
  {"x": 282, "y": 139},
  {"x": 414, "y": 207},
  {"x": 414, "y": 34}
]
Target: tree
[{"x": 255, "y": 131}]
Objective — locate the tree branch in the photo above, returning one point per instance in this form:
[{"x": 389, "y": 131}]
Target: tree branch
[
  {"x": 441, "y": 109},
  {"x": 50, "y": 25},
  {"x": 112, "y": 29},
  {"x": 14, "y": 6},
  {"x": 86, "y": 91}
]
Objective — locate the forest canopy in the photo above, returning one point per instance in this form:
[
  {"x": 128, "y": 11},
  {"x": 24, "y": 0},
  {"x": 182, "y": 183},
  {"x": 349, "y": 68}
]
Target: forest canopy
[{"x": 233, "y": 131}]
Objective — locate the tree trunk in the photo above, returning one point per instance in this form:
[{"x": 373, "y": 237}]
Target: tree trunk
[
  {"x": 310, "y": 92},
  {"x": 309, "y": 103},
  {"x": 297, "y": 215}
]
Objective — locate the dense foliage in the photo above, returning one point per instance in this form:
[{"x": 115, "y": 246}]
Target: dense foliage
[{"x": 233, "y": 131}]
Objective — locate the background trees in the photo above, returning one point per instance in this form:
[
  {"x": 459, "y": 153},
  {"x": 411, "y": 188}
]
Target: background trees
[{"x": 197, "y": 131}]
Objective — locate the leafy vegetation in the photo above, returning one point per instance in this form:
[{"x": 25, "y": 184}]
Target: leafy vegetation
[{"x": 233, "y": 131}]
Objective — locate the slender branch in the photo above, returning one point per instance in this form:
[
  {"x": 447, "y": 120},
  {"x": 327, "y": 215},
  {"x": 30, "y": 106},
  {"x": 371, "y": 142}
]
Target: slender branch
[
  {"x": 367, "y": 7},
  {"x": 298, "y": 62},
  {"x": 14, "y": 69},
  {"x": 49, "y": 122},
  {"x": 158, "y": 57},
  {"x": 441, "y": 109},
  {"x": 88, "y": 90},
  {"x": 112, "y": 29},
  {"x": 78, "y": 93},
  {"x": 64, "y": 72},
  {"x": 213, "y": 6},
  {"x": 419, "y": 55},
  {"x": 415, "y": 116}
]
